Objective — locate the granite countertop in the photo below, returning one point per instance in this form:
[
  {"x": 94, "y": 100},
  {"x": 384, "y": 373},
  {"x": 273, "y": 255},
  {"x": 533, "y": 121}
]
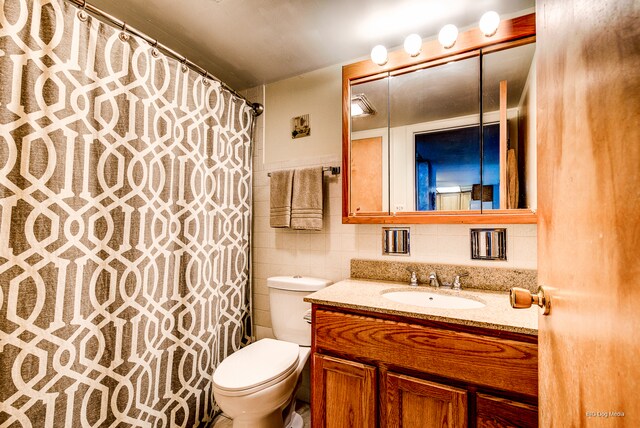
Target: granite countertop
[{"x": 367, "y": 295}]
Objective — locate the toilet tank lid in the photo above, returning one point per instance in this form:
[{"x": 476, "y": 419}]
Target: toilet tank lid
[{"x": 297, "y": 283}]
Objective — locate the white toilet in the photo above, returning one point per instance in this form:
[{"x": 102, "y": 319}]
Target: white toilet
[{"x": 256, "y": 385}]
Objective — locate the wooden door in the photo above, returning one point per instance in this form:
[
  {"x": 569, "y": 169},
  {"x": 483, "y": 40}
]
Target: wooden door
[
  {"x": 417, "y": 403},
  {"x": 496, "y": 412},
  {"x": 344, "y": 393},
  {"x": 366, "y": 175},
  {"x": 588, "y": 127}
]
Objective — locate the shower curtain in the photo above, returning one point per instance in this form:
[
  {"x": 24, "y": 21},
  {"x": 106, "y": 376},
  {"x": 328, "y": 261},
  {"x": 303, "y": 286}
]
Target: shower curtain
[{"x": 125, "y": 200}]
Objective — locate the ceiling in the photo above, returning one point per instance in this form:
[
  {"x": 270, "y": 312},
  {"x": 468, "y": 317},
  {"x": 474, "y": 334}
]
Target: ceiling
[{"x": 246, "y": 43}]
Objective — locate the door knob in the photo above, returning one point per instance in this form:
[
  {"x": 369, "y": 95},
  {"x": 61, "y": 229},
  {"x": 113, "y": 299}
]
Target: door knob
[{"x": 521, "y": 299}]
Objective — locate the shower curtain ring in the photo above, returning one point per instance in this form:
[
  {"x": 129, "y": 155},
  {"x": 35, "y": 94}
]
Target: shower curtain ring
[
  {"x": 82, "y": 15},
  {"x": 184, "y": 65},
  {"x": 124, "y": 36},
  {"x": 205, "y": 78},
  {"x": 155, "y": 52}
]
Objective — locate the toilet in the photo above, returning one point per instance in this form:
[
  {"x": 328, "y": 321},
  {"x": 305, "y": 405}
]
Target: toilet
[{"x": 256, "y": 385}]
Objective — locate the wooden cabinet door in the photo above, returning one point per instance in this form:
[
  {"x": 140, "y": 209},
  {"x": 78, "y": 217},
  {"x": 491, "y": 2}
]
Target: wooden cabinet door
[
  {"x": 418, "y": 403},
  {"x": 494, "y": 412},
  {"x": 344, "y": 393}
]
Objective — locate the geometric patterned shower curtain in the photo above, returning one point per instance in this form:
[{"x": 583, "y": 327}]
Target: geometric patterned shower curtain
[{"x": 125, "y": 200}]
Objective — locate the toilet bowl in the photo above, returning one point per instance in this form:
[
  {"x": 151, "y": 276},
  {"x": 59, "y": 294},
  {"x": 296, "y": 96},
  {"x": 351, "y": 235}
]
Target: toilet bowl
[
  {"x": 256, "y": 385},
  {"x": 259, "y": 393}
]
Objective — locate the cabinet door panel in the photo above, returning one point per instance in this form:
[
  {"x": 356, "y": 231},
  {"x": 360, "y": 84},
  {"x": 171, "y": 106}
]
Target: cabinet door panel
[
  {"x": 344, "y": 393},
  {"x": 494, "y": 412},
  {"x": 418, "y": 403}
]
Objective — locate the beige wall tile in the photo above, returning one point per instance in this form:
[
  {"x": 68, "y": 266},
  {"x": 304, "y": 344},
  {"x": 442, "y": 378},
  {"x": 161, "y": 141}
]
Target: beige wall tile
[{"x": 327, "y": 254}]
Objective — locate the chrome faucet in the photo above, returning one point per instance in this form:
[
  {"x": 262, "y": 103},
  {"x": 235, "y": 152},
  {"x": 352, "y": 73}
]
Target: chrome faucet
[
  {"x": 456, "y": 281},
  {"x": 433, "y": 280},
  {"x": 413, "y": 281}
]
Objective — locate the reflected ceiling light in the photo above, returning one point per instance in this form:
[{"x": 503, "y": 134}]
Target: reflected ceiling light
[
  {"x": 413, "y": 44},
  {"x": 379, "y": 55},
  {"x": 361, "y": 106},
  {"x": 489, "y": 23},
  {"x": 448, "y": 189},
  {"x": 448, "y": 36}
]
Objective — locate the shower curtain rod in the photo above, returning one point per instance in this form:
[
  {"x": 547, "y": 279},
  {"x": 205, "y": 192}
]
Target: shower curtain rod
[{"x": 84, "y": 6}]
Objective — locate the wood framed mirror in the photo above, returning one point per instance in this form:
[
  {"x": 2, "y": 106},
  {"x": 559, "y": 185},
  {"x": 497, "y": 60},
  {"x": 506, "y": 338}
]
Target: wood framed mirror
[{"x": 444, "y": 137}]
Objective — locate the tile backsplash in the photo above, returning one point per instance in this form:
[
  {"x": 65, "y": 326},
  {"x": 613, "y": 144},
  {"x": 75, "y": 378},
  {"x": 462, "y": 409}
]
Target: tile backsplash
[
  {"x": 476, "y": 277},
  {"x": 328, "y": 253}
]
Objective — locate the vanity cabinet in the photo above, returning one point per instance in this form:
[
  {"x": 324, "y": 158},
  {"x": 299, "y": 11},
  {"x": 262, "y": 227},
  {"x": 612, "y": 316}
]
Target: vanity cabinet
[
  {"x": 501, "y": 412},
  {"x": 347, "y": 393},
  {"x": 390, "y": 371},
  {"x": 414, "y": 402}
]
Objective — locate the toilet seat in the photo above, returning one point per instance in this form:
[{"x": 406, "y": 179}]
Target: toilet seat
[{"x": 256, "y": 367}]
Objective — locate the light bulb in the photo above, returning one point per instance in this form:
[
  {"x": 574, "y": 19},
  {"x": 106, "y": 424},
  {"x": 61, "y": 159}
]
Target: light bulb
[
  {"x": 448, "y": 36},
  {"x": 413, "y": 44},
  {"x": 379, "y": 55},
  {"x": 356, "y": 110},
  {"x": 489, "y": 23}
]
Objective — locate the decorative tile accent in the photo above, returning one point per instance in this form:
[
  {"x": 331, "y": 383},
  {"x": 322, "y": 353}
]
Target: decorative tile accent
[{"x": 483, "y": 278}]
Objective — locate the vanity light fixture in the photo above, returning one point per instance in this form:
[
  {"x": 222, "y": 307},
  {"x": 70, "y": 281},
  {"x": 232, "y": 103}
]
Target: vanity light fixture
[
  {"x": 448, "y": 36},
  {"x": 489, "y": 23},
  {"x": 379, "y": 55},
  {"x": 413, "y": 44}
]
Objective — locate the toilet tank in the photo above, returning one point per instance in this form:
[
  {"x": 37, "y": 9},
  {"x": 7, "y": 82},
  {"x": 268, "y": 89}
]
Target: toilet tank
[{"x": 286, "y": 294}]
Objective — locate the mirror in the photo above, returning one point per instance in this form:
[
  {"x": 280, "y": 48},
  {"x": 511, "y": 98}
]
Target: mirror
[
  {"x": 369, "y": 166},
  {"x": 509, "y": 154},
  {"x": 434, "y": 118},
  {"x": 446, "y": 137}
]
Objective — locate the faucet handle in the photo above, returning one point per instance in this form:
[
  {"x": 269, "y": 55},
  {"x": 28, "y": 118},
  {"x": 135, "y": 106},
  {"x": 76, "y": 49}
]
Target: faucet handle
[
  {"x": 433, "y": 280},
  {"x": 414, "y": 278},
  {"x": 456, "y": 281}
]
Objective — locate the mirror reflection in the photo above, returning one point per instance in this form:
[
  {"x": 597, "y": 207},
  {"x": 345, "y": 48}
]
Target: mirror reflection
[
  {"x": 509, "y": 155},
  {"x": 435, "y": 140},
  {"x": 417, "y": 143},
  {"x": 369, "y": 169}
]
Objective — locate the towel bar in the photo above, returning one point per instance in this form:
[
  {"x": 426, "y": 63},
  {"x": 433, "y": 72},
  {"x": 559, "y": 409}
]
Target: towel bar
[{"x": 335, "y": 170}]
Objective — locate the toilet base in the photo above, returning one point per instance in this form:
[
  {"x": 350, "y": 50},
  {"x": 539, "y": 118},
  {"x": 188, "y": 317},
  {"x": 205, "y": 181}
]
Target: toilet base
[
  {"x": 296, "y": 421},
  {"x": 272, "y": 420}
]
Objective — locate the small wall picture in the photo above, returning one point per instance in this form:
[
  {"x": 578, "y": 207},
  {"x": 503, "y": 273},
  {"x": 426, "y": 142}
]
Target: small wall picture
[{"x": 300, "y": 126}]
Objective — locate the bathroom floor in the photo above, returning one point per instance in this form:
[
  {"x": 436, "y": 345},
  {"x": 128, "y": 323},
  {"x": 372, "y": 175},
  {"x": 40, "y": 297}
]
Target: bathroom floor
[{"x": 302, "y": 408}]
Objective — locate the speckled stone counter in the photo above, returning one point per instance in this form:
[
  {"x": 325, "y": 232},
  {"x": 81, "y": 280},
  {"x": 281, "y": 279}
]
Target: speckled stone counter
[
  {"x": 367, "y": 295},
  {"x": 479, "y": 277}
]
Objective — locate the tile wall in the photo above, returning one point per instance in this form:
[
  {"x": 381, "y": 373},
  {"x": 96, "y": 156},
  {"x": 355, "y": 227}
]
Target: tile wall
[{"x": 327, "y": 253}]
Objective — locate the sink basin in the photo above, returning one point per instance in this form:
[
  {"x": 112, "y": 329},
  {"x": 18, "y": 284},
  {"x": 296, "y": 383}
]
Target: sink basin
[{"x": 432, "y": 300}]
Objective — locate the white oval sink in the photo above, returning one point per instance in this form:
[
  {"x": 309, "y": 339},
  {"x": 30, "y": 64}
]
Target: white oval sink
[{"x": 432, "y": 300}]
